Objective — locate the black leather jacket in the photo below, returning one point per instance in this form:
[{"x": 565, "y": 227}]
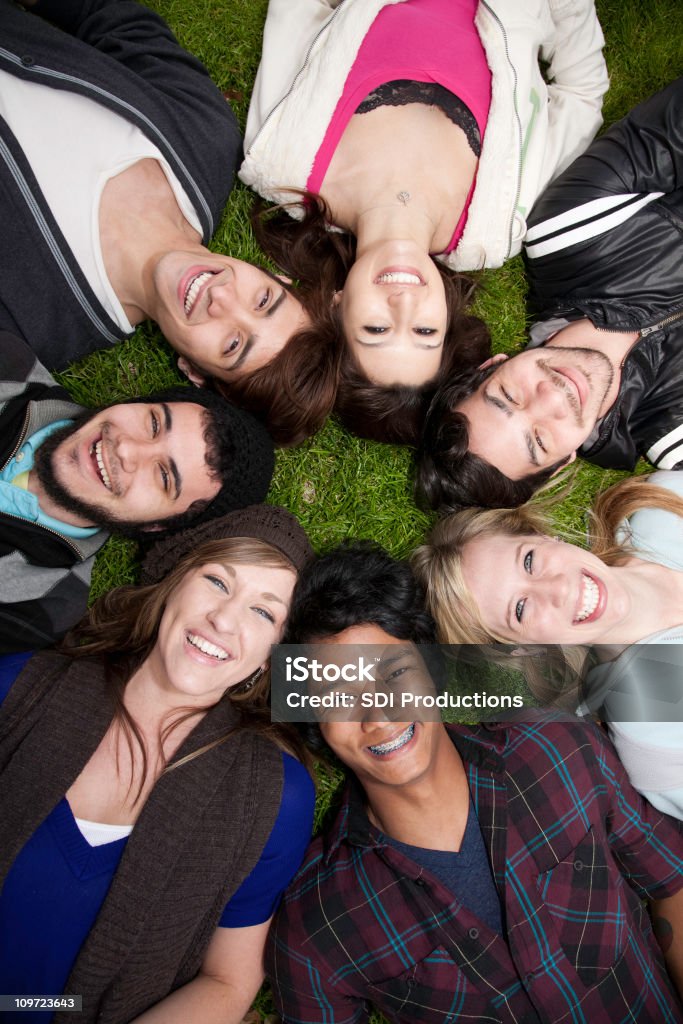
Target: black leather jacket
[{"x": 605, "y": 241}]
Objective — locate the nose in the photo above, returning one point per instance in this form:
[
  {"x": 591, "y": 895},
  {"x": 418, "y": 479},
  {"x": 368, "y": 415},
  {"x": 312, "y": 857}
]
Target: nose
[
  {"x": 550, "y": 400},
  {"x": 401, "y": 297},
  {"x": 224, "y": 615},
  {"x": 221, "y": 297},
  {"x": 130, "y": 453},
  {"x": 553, "y": 588}
]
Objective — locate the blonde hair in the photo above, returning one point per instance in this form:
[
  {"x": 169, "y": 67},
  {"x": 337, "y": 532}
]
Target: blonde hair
[
  {"x": 438, "y": 562},
  {"x": 438, "y": 566}
]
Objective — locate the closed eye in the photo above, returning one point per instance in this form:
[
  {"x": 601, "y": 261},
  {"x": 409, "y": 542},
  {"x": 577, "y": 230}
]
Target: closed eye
[
  {"x": 508, "y": 397},
  {"x": 264, "y": 613},
  {"x": 165, "y": 478},
  {"x": 539, "y": 443}
]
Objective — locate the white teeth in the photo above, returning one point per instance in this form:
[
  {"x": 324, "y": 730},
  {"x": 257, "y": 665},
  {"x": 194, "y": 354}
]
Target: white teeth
[
  {"x": 398, "y": 741},
  {"x": 398, "y": 277},
  {"x": 591, "y": 596},
  {"x": 97, "y": 451},
  {"x": 194, "y": 288},
  {"x": 206, "y": 647}
]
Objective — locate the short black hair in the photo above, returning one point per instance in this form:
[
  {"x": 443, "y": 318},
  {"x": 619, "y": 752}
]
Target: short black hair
[
  {"x": 448, "y": 476},
  {"x": 355, "y": 584}
]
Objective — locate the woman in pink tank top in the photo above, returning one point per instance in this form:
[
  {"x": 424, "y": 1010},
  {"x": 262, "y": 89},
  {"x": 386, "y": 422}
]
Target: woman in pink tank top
[{"x": 399, "y": 139}]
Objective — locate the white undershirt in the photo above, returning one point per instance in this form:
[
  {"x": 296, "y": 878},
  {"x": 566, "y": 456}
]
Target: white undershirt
[
  {"x": 74, "y": 146},
  {"x": 97, "y": 833}
]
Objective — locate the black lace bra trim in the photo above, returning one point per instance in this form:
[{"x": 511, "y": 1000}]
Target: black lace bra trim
[{"x": 404, "y": 90}]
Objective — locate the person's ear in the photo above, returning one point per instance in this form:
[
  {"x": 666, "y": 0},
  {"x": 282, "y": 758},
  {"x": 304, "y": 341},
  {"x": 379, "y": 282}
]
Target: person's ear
[
  {"x": 192, "y": 372},
  {"x": 284, "y": 278},
  {"x": 337, "y": 297},
  {"x": 493, "y": 361}
]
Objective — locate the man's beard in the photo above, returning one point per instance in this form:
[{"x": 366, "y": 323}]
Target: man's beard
[{"x": 44, "y": 468}]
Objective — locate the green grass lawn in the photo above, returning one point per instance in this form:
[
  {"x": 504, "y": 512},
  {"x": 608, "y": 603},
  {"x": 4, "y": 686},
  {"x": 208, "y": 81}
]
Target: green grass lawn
[{"x": 338, "y": 485}]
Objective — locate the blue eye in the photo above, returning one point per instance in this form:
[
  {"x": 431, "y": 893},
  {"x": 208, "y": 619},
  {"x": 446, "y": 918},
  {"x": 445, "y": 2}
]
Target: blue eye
[
  {"x": 265, "y": 614},
  {"x": 216, "y": 581},
  {"x": 529, "y": 561},
  {"x": 519, "y": 609}
]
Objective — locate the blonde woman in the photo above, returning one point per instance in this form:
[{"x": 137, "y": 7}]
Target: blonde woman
[{"x": 501, "y": 576}]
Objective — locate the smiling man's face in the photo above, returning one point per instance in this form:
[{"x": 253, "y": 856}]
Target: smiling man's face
[
  {"x": 537, "y": 408},
  {"x": 127, "y": 465},
  {"x": 226, "y": 316}
]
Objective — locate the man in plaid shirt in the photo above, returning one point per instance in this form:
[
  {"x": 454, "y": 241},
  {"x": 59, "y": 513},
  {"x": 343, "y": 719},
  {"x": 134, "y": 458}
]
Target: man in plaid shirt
[{"x": 471, "y": 874}]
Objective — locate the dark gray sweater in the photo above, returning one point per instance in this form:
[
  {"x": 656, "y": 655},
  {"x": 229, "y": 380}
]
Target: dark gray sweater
[
  {"x": 200, "y": 833},
  {"x": 123, "y": 56}
]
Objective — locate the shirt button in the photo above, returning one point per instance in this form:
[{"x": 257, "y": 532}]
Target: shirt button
[
  {"x": 473, "y": 933},
  {"x": 27, "y": 60},
  {"x": 518, "y": 227},
  {"x": 19, "y": 457},
  {"x": 578, "y": 865}
]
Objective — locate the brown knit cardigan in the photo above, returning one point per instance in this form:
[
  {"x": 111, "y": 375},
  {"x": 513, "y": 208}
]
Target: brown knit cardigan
[{"x": 200, "y": 833}]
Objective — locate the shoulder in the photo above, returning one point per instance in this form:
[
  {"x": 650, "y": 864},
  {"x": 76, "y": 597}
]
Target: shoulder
[{"x": 298, "y": 790}]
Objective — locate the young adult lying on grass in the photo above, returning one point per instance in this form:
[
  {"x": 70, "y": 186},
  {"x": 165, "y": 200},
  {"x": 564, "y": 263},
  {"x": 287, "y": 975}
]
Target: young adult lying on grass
[
  {"x": 152, "y": 814},
  {"x": 426, "y": 129},
  {"x": 603, "y": 376},
  {"x": 500, "y": 575},
  {"x": 112, "y": 228},
  {"x": 69, "y": 476},
  {"x": 472, "y": 872}
]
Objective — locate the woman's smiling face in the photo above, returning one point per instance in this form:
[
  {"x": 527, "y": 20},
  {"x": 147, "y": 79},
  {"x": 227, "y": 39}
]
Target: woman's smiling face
[
  {"x": 534, "y": 588},
  {"x": 218, "y": 627}
]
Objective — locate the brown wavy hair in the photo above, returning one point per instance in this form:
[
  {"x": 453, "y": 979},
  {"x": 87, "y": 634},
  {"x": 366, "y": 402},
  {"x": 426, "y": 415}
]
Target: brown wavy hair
[
  {"x": 316, "y": 373},
  {"x": 122, "y": 626}
]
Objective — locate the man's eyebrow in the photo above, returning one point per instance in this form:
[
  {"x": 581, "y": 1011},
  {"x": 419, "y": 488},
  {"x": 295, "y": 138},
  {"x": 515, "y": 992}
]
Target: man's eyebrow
[
  {"x": 248, "y": 345},
  {"x": 498, "y": 403},
  {"x": 274, "y": 306},
  {"x": 533, "y": 457},
  {"x": 172, "y": 465},
  {"x": 177, "y": 479}
]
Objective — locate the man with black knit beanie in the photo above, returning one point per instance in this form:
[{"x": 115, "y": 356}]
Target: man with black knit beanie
[{"x": 67, "y": 475}]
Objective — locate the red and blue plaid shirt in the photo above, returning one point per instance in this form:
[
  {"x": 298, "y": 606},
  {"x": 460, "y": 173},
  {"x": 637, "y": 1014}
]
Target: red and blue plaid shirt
[{"x": 573, "y": 850}]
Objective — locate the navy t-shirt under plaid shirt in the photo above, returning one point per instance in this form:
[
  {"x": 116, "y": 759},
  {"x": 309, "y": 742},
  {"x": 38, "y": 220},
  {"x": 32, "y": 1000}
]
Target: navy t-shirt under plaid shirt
[{"x": 573, "y": 849}]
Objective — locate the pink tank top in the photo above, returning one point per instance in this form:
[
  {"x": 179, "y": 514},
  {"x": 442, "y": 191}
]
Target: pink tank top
[{"x": 422, "y": 40}]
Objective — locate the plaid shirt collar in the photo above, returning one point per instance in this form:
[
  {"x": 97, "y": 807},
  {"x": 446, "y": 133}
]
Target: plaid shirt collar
[{"x": 352, "y": 824}]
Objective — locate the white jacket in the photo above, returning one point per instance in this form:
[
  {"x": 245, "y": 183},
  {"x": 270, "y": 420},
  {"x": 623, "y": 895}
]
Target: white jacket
[{"x": 534, "y": 130}]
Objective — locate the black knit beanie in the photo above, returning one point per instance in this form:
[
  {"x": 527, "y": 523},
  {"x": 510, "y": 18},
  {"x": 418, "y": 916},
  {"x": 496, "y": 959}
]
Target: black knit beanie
[
  {"x": 269, "y": 523},
  {"x": 247, "y": 457}
]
